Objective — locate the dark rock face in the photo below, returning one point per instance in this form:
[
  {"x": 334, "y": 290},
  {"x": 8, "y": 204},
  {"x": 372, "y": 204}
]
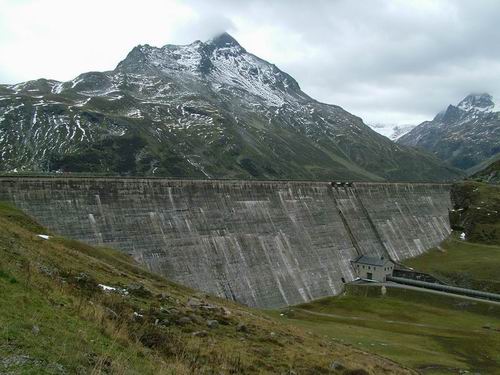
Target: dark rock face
[
  {"x": 464, "y": 135},
  {"x": 266, "y": 244},
  {"x": 207, "y": 109},
  {"x": 476, "y": 211}
]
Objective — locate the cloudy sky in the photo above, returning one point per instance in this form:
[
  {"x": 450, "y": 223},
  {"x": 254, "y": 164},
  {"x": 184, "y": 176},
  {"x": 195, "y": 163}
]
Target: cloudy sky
[{"x": 388, "y": 61}]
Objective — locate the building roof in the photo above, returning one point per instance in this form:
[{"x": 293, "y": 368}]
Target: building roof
[{"x": 372, "y": 260}]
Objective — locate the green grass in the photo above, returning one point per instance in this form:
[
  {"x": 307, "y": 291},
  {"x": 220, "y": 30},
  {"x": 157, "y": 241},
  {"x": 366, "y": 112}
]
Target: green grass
[
  {"x": 473, "y": 263},
  {"x": 55, "y": 319},
  {"x": 64, "y": 341},
  {"x": 462, "y": 263},
  {"x": 430, "y": 333}
]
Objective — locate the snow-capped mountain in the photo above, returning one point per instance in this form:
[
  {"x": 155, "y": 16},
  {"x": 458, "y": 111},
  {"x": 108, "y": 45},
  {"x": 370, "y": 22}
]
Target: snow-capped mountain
[
  {"x": 207, "y": 109},
  {"x": 392, "y": 131},
  {"x": 464, "y": 135},
  {"x": 399, "y": 130},
  {"x": 477, "y": 103}
]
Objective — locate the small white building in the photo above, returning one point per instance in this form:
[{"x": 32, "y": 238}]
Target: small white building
[{"x": 373, "y": 267}]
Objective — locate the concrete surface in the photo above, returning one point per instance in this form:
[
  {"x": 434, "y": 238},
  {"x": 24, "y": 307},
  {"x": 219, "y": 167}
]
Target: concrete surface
[{"x": 266, "y": 244}]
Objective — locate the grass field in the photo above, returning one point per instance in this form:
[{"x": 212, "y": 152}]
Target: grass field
[
  {"x": 463, "y": 263},
  {"x": 431, "y": 333},
  {"x": 56, "y": 319},
  {"x": 474, "y": 263}
]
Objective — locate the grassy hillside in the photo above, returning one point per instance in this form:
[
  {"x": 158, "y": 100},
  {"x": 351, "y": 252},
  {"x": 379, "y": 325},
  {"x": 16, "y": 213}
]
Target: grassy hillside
[
  {"x": 55, "y": 318},
  {"x": 463, "y": 263},
  {"x": 433, "y": 334},
  {"x": 473, "y": 263},
  {"x": 490, "y": 173}
]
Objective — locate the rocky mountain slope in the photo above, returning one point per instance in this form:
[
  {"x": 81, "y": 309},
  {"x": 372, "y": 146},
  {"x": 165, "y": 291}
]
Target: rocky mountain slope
[
  {"x": 464, "y": 135},
  {"x": 489, "y": 174},
  {"x": 207, "y": 109}
]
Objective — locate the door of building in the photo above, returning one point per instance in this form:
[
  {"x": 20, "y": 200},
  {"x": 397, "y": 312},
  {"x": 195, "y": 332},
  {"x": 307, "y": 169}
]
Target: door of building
[{"x": 369, "y": 275}]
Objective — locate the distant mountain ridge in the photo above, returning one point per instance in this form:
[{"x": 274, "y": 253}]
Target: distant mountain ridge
[
  {"x": 489, "y": 174},
  {"x": 464, "y": 135},
  {"x": 207, "y": 109},
  {"x": 392, "y": 131}
]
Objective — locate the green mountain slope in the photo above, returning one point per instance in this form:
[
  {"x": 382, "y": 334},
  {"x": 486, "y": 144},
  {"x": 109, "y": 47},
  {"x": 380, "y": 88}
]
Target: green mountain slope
[
  {"x": 473, "y": 262},
  {"x": 490, "y": 173},
  {"x": 207, "y": 109}
]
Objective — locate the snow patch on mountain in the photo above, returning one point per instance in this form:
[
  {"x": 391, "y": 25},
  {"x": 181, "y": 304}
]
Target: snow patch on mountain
[
  {"x": 464, "y": 135},
  {"x": 209, "y": 109}
]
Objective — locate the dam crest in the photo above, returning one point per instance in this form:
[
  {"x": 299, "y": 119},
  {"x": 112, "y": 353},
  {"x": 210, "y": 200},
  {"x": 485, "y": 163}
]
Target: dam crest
[{"x": 261, "y": 243}]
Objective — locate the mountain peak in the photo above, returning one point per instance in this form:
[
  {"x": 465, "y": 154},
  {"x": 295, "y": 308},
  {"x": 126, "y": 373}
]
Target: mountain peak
[
  {"x": 482, "y": 102},
  {"x": 223, "y": 40}
]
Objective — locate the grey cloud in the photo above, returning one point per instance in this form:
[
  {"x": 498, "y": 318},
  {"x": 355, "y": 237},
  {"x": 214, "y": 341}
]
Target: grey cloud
[{"x": 207, "y": 25}]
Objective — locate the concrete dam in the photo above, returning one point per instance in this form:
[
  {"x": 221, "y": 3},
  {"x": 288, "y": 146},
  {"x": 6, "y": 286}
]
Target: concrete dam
[{"x": 261, "y": 243}]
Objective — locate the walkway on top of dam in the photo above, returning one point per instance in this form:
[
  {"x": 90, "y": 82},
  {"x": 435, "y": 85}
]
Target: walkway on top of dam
[{"x": 198, "y": 180}]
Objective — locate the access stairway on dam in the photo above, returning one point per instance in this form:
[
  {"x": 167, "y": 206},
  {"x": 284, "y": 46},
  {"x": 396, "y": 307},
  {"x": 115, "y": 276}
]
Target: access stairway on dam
[{"x": 261, "y": 243}]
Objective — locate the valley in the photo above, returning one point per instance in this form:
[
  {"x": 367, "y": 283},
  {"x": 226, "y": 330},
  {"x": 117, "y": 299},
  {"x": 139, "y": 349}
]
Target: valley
[
  {"x": 198, "y": 207},
  {"x": 110, "y": 314}
]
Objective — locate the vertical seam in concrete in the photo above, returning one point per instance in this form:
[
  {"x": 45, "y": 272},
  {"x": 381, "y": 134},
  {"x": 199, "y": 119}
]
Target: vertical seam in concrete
[
  {"x": 346, "y": 225},
  {"x": 370, "y": 221}
]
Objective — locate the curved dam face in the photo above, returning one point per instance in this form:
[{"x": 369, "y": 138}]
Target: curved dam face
[{"x": 265, "y": 244}]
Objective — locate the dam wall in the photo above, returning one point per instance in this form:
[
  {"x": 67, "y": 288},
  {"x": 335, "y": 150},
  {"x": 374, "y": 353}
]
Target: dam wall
[{"x": 262, "y": 243}]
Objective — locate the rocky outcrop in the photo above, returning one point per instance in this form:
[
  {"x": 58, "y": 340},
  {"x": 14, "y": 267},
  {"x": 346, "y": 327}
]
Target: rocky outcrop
[
  {"x": 465, "y": 135},
  {"x": 476, "y": 211}
]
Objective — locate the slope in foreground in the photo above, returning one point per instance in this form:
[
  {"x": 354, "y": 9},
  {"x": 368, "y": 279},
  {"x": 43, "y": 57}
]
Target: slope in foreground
[{"x": 60, "y": 314}]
